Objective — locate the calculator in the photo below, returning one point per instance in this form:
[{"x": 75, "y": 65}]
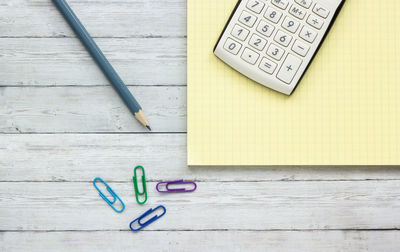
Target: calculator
[{"x": 274, "y": 41}]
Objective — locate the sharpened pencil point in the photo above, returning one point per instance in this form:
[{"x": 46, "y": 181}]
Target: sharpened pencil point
[{"x": 147, "y": 126}]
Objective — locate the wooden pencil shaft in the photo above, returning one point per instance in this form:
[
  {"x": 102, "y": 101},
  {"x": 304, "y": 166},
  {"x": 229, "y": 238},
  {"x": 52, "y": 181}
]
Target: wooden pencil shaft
[{"x": 98, "y": 56}]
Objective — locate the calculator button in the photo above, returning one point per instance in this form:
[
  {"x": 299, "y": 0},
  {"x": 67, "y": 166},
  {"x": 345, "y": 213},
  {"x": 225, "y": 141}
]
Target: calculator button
[
  {"x": 305, "y": 3},
  {"x": 273, "y": 15},
  {"x": 308, "y": 34},
  {"x": 275, "y": 52},
  {"x": 232, "y": 46},
  {"x": 257, "y": 42},
  {"x": 289, "y": 68},
  {"x": 240, "y": 32},
  {"x": 290, "y": 24},
  {"x": 315, "y": 22},
  {"x": 267, "y": 66},
  {"x": 255, "y": 6},
  {"x": 247, "y": 19},
  {"x": 265, "y": 29},
  {"x": 250, "y": 56},
  {"x": 297, "y": 11},
  {"x": 300, "y": 48},
  {"x": 282, "y": 38},
  {"x": 280, "y": 3},
  {"x": 321, "y": 11}
]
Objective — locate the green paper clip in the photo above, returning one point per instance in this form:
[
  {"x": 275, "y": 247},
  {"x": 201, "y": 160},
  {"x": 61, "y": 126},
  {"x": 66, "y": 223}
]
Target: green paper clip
[{"x": 137, "y": 193}]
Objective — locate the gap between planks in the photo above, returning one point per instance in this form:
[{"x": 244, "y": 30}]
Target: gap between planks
[
  {"x": 97, "y": 37},
  {"x": 204, "y": 230},
  {"x": 200, "y": 181}
]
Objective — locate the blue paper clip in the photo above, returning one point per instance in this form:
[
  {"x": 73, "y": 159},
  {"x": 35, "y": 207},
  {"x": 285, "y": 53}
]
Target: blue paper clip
[
  {"x": 142, "y": 225},
  {"x": 115, "y": 196}
]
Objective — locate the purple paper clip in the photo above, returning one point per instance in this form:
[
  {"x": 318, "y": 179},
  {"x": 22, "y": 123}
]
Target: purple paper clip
[{"x": 174, "y": 182}]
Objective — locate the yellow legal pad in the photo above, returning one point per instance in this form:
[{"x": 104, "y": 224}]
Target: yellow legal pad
[{"x": 345, "y": 111}]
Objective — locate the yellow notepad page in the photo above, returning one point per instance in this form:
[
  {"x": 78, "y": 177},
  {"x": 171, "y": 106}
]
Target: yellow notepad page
[{"x": 345, "y": 111}]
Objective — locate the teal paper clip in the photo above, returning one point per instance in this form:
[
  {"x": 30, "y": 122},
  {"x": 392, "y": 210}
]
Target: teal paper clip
[
  {"x": 115, "y": 196},
  {"x": 135, "y": 183}
]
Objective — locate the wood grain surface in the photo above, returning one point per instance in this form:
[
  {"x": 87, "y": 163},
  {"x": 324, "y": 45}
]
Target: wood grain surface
[{"x": 62, "y": 124}]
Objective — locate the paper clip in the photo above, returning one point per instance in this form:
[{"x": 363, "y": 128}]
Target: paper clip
[
  {"x": 142, "y": 225},
  {"x": 137, "y": 193},
  {"x": 168, "y": 190},
  {"x": 115, "y": 196}
]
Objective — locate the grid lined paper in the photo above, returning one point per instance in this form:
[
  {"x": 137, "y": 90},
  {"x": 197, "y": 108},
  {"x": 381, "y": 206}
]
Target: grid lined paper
[{"x": 345, "y": 111}]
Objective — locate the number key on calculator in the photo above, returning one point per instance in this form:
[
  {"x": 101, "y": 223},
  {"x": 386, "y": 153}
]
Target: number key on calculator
[{"x": 274, "y": 41}]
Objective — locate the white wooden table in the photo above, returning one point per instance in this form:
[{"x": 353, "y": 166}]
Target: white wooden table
[{"x": 62, "y": 124}]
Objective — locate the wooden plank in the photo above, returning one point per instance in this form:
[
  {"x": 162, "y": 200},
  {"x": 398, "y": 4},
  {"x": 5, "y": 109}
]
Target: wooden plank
[
  {"x": 102, "y": 18},
  {"x": 80, "y": 157},
  {"x": 202, "y": 241},
  {"x": 214, "y": 205},
  {"x": 89, "y": 109},
  {"x": 64, "y": 61}
]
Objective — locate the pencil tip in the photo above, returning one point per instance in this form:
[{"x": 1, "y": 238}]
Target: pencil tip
[{"x": 147, "y": 126}]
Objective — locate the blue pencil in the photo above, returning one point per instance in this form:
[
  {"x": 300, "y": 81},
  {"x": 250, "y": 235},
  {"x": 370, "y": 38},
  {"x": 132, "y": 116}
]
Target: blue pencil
[{"x": 101, "y": 60}]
